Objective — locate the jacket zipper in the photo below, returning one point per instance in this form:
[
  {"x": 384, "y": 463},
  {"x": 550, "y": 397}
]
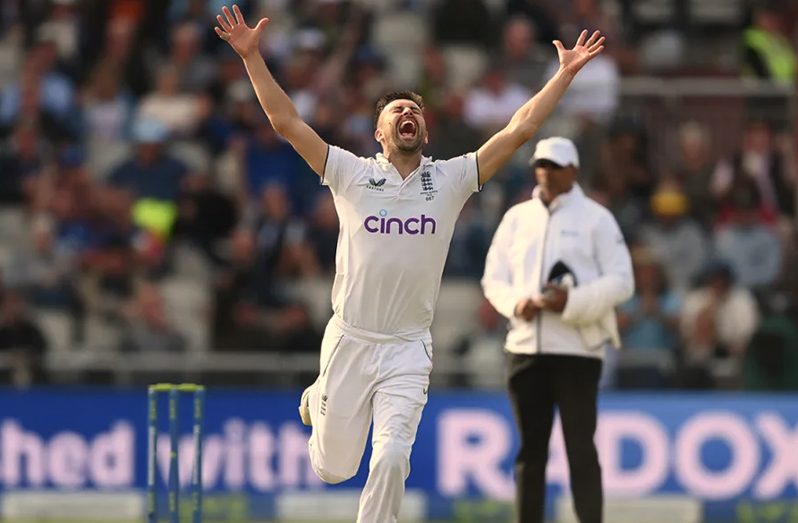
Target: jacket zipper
[{"x": 542, "y": 281}]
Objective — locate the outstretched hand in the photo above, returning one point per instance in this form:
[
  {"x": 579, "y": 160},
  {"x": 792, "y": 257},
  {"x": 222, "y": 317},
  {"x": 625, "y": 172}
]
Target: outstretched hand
[
  {"x": 235, "y": 31},
  {"x": 585, "y": 50}
]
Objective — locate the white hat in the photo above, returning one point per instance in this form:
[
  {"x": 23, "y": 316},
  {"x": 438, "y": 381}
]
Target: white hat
[{"x": 561, "y": 151}]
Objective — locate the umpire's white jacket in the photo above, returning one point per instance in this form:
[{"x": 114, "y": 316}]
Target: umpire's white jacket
[{"x": 529, "y": 242}]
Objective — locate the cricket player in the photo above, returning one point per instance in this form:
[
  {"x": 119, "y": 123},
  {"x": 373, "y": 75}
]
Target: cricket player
[{"x": 397, "y": 213}]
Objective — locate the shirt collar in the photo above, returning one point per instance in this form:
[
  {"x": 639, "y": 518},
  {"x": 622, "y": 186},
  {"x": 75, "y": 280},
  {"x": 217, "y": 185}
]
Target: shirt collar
[
  {"x": 563, "y": 199},
  {"x": 385, "y": 163}
]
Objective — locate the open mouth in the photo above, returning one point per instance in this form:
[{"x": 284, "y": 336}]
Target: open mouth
[{"x": 408, "y": 129}]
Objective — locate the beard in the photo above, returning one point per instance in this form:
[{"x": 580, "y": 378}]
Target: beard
[{"x": 412, "y": 146}]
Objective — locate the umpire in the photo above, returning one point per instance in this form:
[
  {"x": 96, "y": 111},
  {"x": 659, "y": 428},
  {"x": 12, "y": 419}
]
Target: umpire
[{"x": 557, "y": 267}]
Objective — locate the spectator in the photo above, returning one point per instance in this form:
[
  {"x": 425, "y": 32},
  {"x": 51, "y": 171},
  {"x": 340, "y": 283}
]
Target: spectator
[
  {"x": 624, "y": 181},
  {"x": 21, "y": 159},
  {"x": 298, "y": 76},
  {"x": 649, "y": 319},
  {"x": 457, "y": 136},
  {"x": 31, "y": 112},
  {"x": 21, "y": 340},
  {"x": 491, "y": 105},
  {"x": 693, "y": 171},
  {"x": 206, "y": 215},
  {"x": 771, "y": 359},
  {"x": 577, "y": 14},
  {"x": 108, "y": 247},
  {"x": 181, "y": 112},
  {"x": 106, "y": 107},
  {"x": 750, "y": 247},
  {"x": 269, "y": 160},
  {"x": 539, "y": 13},
  {"x": 249, "y": 313},
  {"x": 329, "y": 17},
  {"x": 355, "y": 128},
  {"x": 280, "y": 238},
  {"x": 469, "y": 245},
  {"x": 674, "y": 238},
  {"x": 481, "y": 350},
  {"x": 524, "y": 62},
  {"x": 63, "y": 29},
  {"x": 369, "y": 73},
  {"x": 768, "y": 53},
  {"x": 123, "y": 51},
  {"x": 154, "y": 181},
  {"x": 717, "y": 322},
  {"x": 236, "y": 118},
  {"x": 229, "y": 75},
  {"x": 595, "y": 95},
  {"x": 625, "y": 156},
  {"x": 649, "y": 326},
  {"x": 56, "y": 90},
  {"x": 151, "y": 172},
  {"x": 194, "y": 69},
  {"x": 322, "y": 234},
  {"x": 46, "y": 273},
  {"x": 236, "y": 295},
  {"x": 149, "y": 329},
  {"x": 268, "y": 248},
  {"x": 760, "y": 161},
  {"x": 434, "y": 75},
  {"x": 610, "y": 190}
]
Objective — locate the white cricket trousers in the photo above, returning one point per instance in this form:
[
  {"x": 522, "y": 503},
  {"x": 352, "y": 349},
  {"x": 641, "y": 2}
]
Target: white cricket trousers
[{"x": 363, "y": 380}]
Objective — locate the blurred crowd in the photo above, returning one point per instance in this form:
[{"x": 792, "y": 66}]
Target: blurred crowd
[{"x": 147, "y": 205}]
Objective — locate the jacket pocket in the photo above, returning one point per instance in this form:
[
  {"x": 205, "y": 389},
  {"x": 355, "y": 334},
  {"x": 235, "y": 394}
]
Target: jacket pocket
[{"x": 593, "y": 336}]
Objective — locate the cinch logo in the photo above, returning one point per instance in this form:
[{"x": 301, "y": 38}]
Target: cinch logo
[{"x": 382, "y": 225}]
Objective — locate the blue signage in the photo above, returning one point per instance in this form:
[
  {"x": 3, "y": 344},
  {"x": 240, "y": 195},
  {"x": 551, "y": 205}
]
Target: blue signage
[{"x": 737, "y": 454}]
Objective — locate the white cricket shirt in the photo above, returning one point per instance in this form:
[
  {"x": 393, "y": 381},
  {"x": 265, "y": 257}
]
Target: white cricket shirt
[{"x": 393, "y": 239}]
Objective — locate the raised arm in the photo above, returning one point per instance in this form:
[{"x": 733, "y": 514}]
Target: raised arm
[
  {"x": 275, "y": 103},
  {"x": 530, "y": 117}
]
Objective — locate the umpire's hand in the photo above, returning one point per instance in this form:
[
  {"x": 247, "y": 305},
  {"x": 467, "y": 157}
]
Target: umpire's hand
[
  {"x": 526, "y": 309},
  {"x": 554, "y": 298}
]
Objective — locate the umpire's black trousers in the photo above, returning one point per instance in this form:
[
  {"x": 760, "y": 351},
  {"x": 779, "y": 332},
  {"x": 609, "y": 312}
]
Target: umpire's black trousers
[{"x": 538, "y": 383}]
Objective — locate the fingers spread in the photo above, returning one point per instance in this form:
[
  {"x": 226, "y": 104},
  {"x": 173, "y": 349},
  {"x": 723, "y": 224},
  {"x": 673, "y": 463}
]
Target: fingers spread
[
  {"x": 222, "y": 34},
  {"x": 228, "y": 15},
  {"x": 582, "y": 37},
  {"x": 596, "y": 45},
  {"x": 223, "y": 23},
  {"x": 237, "y": 12},
  {"x": 594, "y": 52},
  {"x": 261, "y": 24},
  {"x": 593, "y": 38}
]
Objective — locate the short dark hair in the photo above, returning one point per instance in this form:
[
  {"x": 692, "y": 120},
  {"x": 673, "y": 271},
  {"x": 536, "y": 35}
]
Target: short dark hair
[{"x": 396, "y": 95}]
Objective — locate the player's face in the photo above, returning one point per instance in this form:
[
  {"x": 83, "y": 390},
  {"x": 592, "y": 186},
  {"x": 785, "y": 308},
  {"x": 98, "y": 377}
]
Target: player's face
[
  {"x": 554, "y": 179},
  {"x": 401, "y": 126}
]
